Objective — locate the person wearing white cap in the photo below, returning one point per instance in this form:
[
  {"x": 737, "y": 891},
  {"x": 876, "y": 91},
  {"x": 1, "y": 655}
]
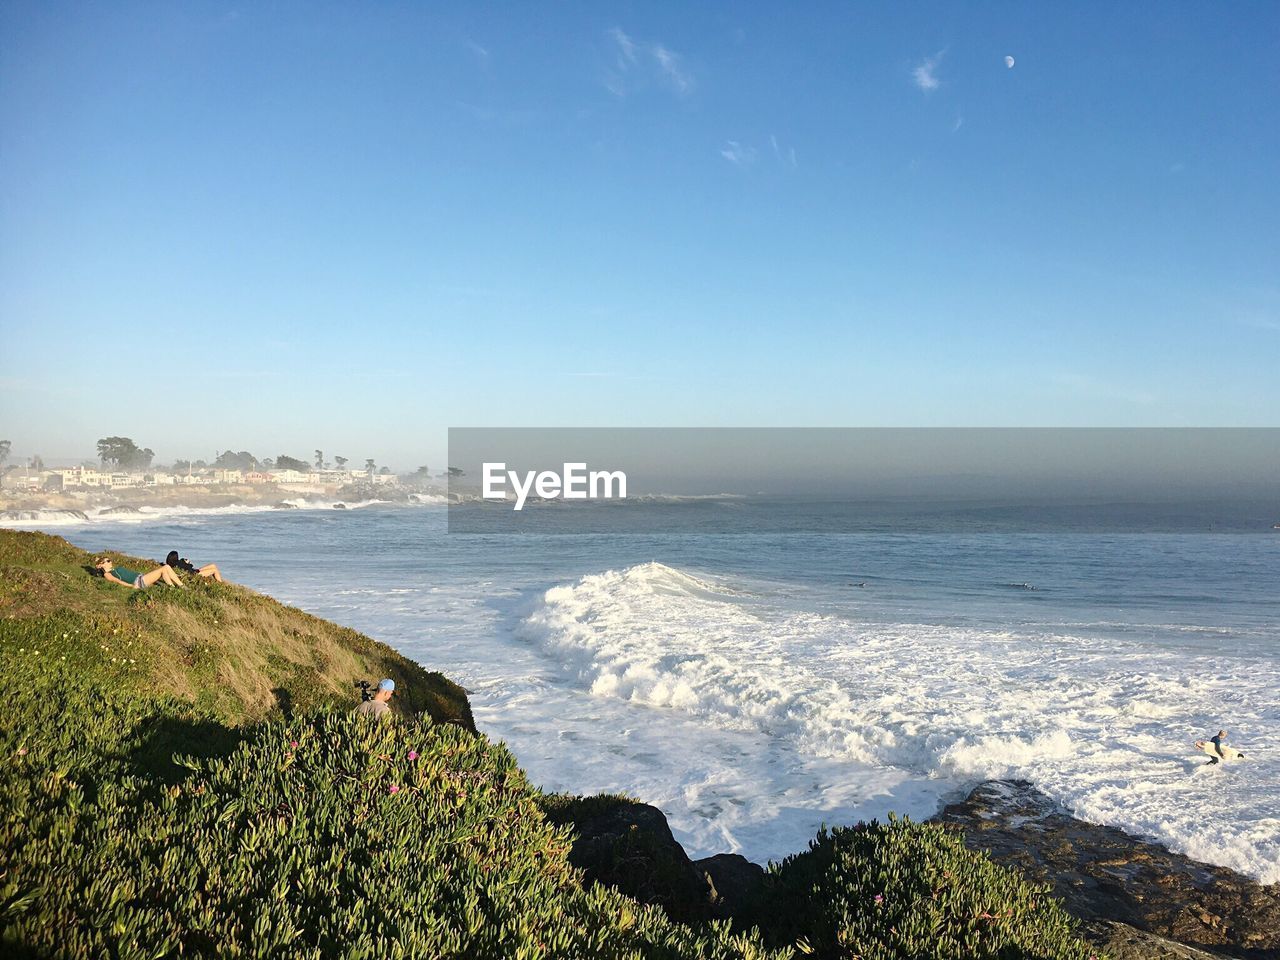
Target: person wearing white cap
[{"x": 377, "y": 705}]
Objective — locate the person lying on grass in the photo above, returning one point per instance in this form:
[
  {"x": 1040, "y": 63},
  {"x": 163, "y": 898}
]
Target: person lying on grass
[
  {"x": 139, "y": 581},
  {"x": 186, "y": 566}
]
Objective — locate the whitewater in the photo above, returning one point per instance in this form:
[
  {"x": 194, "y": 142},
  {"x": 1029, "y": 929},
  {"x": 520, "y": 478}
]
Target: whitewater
[{"x": 754, "y": 688}]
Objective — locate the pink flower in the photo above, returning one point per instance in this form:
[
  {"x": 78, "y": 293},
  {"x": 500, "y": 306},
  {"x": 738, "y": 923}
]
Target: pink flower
[
  {"x": 22, "y": 751},
  {"x": 394, "y": 788},
  {"x": 293, "y": 744},
  {"x": 413, "y": 754},
  {"x": 879, "y": 898}
]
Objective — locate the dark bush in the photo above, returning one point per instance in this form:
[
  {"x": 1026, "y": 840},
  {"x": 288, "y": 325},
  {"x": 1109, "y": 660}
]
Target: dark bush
[{"x": 898, "y": 890}]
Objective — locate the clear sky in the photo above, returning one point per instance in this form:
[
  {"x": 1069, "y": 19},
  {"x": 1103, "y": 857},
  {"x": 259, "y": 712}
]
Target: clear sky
[{"x": 281, "y": 226}]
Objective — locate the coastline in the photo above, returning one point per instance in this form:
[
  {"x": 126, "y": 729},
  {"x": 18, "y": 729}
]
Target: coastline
[
  {"x": 47, "y": 509},
  {"x": 1138, "y": 892}
]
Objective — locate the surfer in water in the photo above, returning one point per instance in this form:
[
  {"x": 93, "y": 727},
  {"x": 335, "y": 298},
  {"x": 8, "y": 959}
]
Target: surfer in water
[{"x": 1217, "y": 749}]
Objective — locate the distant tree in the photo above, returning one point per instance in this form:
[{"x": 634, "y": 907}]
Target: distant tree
[
  {"x": 5, "y": 447},
  {"x": 123, "y": 453},
  {"x": 230, "y": 460},
  {"x": 36, "y": 463},
  {"x": 369, "y": 465},
  {"x": 319, "y": 459},
  {"x": 181, "y": 466},
  {"x": 456, "y": 472},
  {"x": 422, "y": 473},
  {"x": 340, "y": 461},
  {"x": 268, "y": 464},
  {"x": 199, "y": 465},
  {"x": 116, "y": 451},
  {"x": 385, "y": 471},
  {"x": 286, "y": 462}
]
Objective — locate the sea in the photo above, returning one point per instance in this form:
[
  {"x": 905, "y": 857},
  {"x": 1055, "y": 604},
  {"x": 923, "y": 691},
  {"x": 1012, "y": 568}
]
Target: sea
[{"x": 851, "y": 660}]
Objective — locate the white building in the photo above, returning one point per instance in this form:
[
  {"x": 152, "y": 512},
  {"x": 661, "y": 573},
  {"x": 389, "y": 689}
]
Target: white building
[{"x": 80, "y": 477}]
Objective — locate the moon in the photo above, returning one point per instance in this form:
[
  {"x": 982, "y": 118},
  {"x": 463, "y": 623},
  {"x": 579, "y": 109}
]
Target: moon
[{"x": 1009, "y": 62}]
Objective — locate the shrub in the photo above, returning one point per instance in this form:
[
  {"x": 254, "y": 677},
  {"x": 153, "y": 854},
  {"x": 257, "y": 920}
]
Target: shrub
[
  {"x": 888, "y": 891},
  {"x": 325, "y": 836}
]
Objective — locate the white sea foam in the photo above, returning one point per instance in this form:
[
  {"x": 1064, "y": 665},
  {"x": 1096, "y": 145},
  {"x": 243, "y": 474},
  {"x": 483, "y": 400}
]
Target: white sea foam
[
  {"x": 1100, "y": 725},
  {"x": 53, "y": 518}
]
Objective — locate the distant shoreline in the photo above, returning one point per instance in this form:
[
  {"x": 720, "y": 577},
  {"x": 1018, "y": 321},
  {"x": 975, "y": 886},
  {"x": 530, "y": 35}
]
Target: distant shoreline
[{"x": 202, "y": 497}]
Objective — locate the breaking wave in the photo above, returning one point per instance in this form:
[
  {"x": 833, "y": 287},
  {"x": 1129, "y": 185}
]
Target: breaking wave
[{"x": 1102, "y": 726}]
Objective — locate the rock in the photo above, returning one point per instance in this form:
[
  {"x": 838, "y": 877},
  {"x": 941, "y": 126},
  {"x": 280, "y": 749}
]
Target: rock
[
  {"x": 41, "y": 516},
  {"x": 630, "y": 847},
  {"x": 1119, "y": 941},
  {"x": 735, "y": 884},
  {"x": 120, "y": 510},
  {"x": 1104, "y": 876}
]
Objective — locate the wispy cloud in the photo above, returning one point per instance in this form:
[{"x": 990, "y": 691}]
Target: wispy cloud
[
  {"x": 925, "y": 73},
  {"x": 636, "y": 63},
  {"x": 480, "y": 53},
  {"x": 955, "y": 127},
  {"x": 626, "y": 47},
  {"x": 738, "y": 154},
  {"x": 669, "y": 64},
  {"x": 787, "y": 156}
]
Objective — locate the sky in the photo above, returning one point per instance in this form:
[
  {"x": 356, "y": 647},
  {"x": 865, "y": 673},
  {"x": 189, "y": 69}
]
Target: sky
[{"x": 286, "y": 226}]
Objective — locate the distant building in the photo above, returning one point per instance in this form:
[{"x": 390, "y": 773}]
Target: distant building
[
  {"x": 289, "y": 476},
  {"x": 79, "y": 477},
  {"x": 26, "y": 481}
]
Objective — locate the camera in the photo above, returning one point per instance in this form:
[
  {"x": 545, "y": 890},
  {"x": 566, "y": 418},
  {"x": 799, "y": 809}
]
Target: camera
[{"x": 366, "y": 690}]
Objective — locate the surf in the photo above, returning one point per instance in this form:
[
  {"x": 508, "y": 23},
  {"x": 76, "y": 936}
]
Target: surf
[{"x": 1094, "y": 723}]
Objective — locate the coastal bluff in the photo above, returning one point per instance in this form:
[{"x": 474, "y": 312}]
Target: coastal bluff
[
  {"x": 181, "y": 773},
  {"x": 228, "y": 650}
]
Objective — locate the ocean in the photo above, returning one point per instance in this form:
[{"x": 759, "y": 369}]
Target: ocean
[{"x": 868, "y": 659}]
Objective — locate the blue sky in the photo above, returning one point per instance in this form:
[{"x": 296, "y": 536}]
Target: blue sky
[{"x": 282, "y": 226}]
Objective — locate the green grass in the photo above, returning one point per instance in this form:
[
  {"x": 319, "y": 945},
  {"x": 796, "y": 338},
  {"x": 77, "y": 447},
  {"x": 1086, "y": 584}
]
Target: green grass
[{"x": 237, "y": 653}]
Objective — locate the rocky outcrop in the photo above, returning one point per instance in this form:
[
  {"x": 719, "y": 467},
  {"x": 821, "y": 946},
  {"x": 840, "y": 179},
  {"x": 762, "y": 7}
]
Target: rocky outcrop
[
  {"x": 630, "y": 847},
  {"x": 1134, "y": 896},
  {"x": 1119, "y": 941},
  {"x": 21, "y": 515},
  {"x": 735, "y": 884}
]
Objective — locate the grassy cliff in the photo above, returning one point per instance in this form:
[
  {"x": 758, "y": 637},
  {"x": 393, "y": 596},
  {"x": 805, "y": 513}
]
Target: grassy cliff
[
  {"x": 234, "y": 653},
  {"x": 181, "y": 775}
]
